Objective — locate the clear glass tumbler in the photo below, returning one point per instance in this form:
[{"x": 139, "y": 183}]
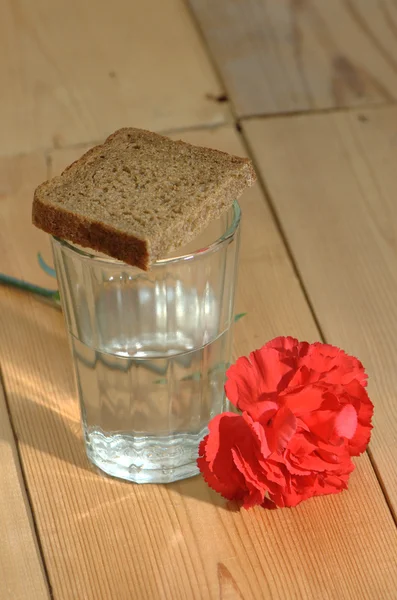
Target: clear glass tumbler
[{"x": 150, "y": 350}]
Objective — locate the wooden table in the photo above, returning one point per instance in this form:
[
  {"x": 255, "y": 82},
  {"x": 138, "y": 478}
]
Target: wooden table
[{"x": 308, "y": 89}]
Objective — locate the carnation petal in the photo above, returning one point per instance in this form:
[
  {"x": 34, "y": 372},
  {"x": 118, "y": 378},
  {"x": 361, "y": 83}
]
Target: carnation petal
[
  {"x": 242, "y": 383},
  {"x": 213, "y": 439},
  {"x": 228, "y": 488},
  {"x": 333, "y": 365},
  {"x": 358, "y": 444},
  {"x": 305, "y": 412},
  {"x": 281, "y": 430},
  {"x": 306, "y": 400},
  {"x": 346, "y": 422},
  {"x": 289, "y": 346},
  {"x": 256, "y": 491},
  {"x": 259, "y": 432},
  {"x": 270, "y": 368}
]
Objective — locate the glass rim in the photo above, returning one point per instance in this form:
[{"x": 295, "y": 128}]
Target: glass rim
[{"x": 219, "y": 242}]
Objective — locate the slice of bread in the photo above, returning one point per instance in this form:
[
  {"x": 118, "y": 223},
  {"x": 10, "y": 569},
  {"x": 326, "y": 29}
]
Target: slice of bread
[{"x": 140, "y": 195}]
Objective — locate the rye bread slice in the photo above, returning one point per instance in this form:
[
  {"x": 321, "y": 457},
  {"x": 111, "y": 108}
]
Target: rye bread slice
[{"x": 140, "y": 195}]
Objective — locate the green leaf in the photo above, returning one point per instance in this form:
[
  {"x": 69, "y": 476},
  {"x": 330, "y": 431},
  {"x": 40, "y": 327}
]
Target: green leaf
[
  {"x": 220, "y": 367},
  {"x": 56, "y": 298},
  {"x": 193, "y": 377},
  {"x": 239, "y": 316}
]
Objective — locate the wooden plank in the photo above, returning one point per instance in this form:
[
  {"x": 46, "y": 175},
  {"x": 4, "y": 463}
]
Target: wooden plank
[
  {"x": 333, "y": 182},
  {"x": 287, "y": 56},
  {"x": 105, "y": 539},
  {"x": 21, "y": 570},
  {"x": 18, "y": 178},
  {"x": 73, "y": 76}
]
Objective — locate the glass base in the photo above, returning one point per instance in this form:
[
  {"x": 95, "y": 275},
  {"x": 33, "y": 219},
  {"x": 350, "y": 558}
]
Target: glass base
[{"x": 145, "y": 459}]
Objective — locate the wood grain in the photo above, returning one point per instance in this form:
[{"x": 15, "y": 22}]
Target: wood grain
[
  {"x": 73, "y": 73},
  {"x": 18, "y": 178},
  {"x": 104, "y": 539},
  {"x": 297, "y": 55},
  {"x": 21, "y": 570},
  {"x": 333, "y": 182}
]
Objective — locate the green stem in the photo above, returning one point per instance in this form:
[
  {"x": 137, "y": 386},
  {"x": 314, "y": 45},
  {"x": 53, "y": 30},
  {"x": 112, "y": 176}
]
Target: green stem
[{"x": 30, "y": 287}]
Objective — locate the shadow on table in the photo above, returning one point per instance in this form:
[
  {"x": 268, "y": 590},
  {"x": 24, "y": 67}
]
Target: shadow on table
[
  {"x": 197, "y": 489},
  {"x": 45, "y": 430},
  {"x": 42, "y": 428},
  {"x": 52, "y": 426}
]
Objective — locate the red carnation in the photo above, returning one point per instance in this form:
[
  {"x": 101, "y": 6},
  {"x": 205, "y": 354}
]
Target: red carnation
[{"x": 305, "y": 412}]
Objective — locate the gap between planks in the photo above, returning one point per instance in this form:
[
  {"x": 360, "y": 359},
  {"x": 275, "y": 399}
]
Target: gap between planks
[
  {"x": 294, "y": 263},
  {"x": 29, "y": 576},
  {"x": 350, "y": 538},
  {"x": 330, "y": 182}
]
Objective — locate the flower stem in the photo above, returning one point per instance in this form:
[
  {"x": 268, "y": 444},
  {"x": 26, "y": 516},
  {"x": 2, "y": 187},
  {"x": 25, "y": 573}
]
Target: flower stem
[{"x": 52, "y": 295}]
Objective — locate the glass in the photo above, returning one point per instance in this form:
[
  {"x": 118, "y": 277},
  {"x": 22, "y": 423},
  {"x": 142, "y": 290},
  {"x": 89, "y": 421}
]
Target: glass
[{"x": 150, "y": 350}]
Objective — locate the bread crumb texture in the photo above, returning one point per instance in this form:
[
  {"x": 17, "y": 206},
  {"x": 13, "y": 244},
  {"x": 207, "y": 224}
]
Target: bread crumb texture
[{"x": 140, "y": 195}]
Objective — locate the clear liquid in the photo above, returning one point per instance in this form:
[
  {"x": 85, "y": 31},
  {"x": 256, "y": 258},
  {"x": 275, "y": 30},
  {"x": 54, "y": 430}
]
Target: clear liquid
[{"x": 146, "y": 409}]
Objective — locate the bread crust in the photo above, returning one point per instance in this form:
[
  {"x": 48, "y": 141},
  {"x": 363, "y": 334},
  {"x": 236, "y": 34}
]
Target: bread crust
[{"x": 91, "y": 234}]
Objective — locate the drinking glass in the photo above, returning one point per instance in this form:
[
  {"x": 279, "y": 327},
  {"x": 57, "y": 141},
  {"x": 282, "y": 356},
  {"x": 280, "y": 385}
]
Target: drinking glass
[{"x": 150, "y": 350}]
